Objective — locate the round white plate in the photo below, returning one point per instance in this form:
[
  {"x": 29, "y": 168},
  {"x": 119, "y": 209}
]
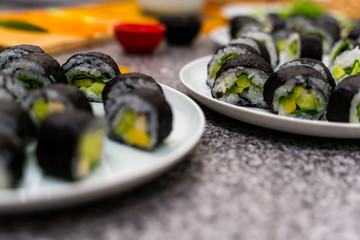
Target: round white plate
[
  {"x": 193, "y": 76},
  {"x": 122, "y": 167}
]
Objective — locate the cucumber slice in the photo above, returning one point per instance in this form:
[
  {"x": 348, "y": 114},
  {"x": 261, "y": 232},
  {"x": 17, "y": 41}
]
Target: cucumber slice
[
  {"x": 299, "y": 91},
  {"x": 288, "y": 102},
  {"x": 308, "y": 102},
  {"x": 338, "y": 72}
]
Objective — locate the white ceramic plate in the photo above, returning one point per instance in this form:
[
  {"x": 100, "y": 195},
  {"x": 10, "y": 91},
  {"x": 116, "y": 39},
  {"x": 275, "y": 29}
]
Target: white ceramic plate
[
  {"x": 193, "y": 76},
  {"x": 121, "y": 168}
]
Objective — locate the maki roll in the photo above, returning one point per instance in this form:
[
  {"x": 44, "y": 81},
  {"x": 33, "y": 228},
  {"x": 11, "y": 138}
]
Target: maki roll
[
  {"x": 16, "y": 122},
  {"x": 12, "y": 160},
  {"x": 342, "y": 46},
  {"x": 297, "y": 91},
  {"x": 313, "y": 63},
  {"x": 303, "y": 46},
  {"x": 70, "y": 144},
  {"x": 344, "y": 101},
  {"x": 269, "y": 43},
  {"x": 11, "y": 88},
  {"x": 242, "y": 24},
  {"x": 127, "y": 82},
  {"x": 9, "y": 53},
  {"x": 90, "y": 71},
  {"x": 346, "y": 64},
  {"x": 273, "y": 23},
  {"x": 36, "y": 70},
  {"x": 241, "y": 81},
  {"x": 141, "y": 118},
  {"x": 55, "y": 98},
  {"x": 257, "y": 45},
  {"x": 221, "y": 55}
]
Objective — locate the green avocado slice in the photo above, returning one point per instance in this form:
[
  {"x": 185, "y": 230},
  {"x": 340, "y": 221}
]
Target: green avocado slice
[
  {"x": 308, "y": 102},
  {"x": 288, "y": 102},
  {"x": 241, "y": 83},
  {"x": 338, "y": 72}
]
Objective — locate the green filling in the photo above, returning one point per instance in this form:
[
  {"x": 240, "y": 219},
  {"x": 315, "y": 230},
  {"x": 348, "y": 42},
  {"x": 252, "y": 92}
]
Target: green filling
[
  {"x": 346, "y": 45},
  {"x": 293, "y": 48},
  {"x": 40, "y": 109},
  {"x": 281, "y": 44},
  {"x": 241, "y": 83},
  {"x": 217, "y": 68},
  {"x": 126, "y": 122},
  {"x": 300, "y": 101},
  {"x": 90, "y": 149},
  {"x": 358, "y": 111},
  {"x": 339, "y": 72},
  {"x": 31, "y": 83},
  {"x": 132, "y": 127},
  {"x": 87, "y": 82}
]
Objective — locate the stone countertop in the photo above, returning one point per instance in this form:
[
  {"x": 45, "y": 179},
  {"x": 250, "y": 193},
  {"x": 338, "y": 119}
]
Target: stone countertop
[{"x": 240, "y": 182}]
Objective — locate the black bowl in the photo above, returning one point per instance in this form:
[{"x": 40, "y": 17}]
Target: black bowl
[{"x": 181, "y": 30}]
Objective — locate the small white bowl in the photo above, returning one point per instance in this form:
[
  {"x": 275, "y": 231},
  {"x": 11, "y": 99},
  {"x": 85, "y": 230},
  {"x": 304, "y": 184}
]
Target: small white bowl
[{"x": 171, "y": 7}]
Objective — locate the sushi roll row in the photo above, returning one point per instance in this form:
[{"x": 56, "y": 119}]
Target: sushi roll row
[{"x": 36, "y": 69}]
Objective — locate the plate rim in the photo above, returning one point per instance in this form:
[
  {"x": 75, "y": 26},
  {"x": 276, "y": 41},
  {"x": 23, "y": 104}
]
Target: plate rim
[
  {"x": 213, "y": 104},
  {"x": 74, "y": 193}
]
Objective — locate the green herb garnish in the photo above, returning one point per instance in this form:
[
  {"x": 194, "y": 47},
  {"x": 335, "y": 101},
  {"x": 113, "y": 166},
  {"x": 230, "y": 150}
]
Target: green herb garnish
[{"x": 20, "y": 25}]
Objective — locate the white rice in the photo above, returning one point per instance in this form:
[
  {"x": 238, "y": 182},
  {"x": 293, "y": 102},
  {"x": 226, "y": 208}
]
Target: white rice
[
  {"x": 269, "y": 44},
  {"x": 353, "y": 112},
  {"x": 247, "y": 41},
  {"x": 253, "y": 95}
]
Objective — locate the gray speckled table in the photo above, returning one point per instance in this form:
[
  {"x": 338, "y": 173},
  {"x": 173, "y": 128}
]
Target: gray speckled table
[{"x": 240, "y": 182}]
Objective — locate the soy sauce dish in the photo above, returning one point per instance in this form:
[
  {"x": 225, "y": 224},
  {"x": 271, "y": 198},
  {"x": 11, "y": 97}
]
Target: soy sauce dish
[
  {"x": 139, "y": 38},
  {"x": 181, "y": 30}
]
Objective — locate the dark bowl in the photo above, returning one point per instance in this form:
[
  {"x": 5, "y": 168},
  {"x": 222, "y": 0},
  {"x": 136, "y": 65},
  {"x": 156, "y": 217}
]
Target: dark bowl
[{"x": 181, "y": 30}]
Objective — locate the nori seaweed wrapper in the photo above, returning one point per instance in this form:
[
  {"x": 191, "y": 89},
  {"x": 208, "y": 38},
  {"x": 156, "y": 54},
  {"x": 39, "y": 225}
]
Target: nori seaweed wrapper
[
  {"x": 12, "y": 158},
  {"x": 124, "y": 83},
  {"x": 311, "y": 47},
  {"x": 354, "y": 33},
  {"x": 252, "y": 61},
  {"x": 293, "y": 74},
  {"x": 340, "y": 99},
  {"x": 16, "y": 122},
  {"x": 58, "y": 139},
  {"x": 264, "y": 53},
  {"x": 155, "y": 99},
  {"x": 50, "y": 67},
  {"x": 240, "y": 22},
  {"x": 330, "y": 25},
  {"x": 310, "y": 62},
  {"x": 72, "y": 95},
  {"x": 87, "y": 57},
  {"x": 17, "y": 51}
]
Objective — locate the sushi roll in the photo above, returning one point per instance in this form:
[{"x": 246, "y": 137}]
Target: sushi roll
[
  {"x": 242, "y": 24},
  {"x": 273, "y": 23},
  {"x": 221, "y": 55},
  {"x": 55, "y": 98},
  {"x": 257, "y": 45},
  {"x": 70, "y": 144},
  {"x": 141, "y": 118},
  {"x": 344, "y": 101},
  {"x": 346, "y": 64},
  {"x": 327, "y": 35},
  {"x": 16, "y": 122},
  {"x": 298, "y": 23},
  {"x": 342, "y": 46},
  {"x": 297, "y": 91},
  {"x": 36, "y": 70},
  {"x": 313, "y": 63},
  {"x": 241, "y": 81},
  {"x": 90, "y": 72},
  {"x": 12, "y": 160},
  {"x": 127, "y": 82},
  {"x": 9, "y": 53},
  {"x": 11, "y": 88},
  {"x": 303, "y": 46},
  {"x": 269, "y": 43}
]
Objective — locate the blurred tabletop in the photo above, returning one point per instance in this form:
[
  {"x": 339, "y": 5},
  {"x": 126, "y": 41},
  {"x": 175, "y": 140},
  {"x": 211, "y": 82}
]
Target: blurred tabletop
[{"x": 240, "y": 181}]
